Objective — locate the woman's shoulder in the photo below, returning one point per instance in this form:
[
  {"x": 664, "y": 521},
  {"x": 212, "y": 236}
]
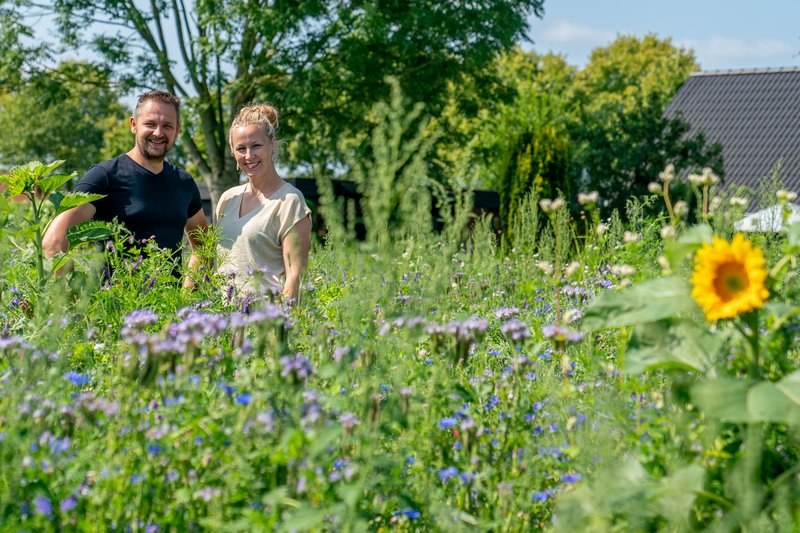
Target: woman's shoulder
[
  {"x": 233, "y": 191},
  {"x": 289, "y": 191}
]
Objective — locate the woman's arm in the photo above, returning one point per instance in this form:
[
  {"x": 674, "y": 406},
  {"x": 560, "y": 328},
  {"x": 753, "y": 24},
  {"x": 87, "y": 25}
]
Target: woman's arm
[{"x": 295, "y": 247}]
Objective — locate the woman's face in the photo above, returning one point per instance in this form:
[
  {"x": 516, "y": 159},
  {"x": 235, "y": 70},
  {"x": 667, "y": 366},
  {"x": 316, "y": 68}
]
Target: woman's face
[{"x": 252, "y": 149}]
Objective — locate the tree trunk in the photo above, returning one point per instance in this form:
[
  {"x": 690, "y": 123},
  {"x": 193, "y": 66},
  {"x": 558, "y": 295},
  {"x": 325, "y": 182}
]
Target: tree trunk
[{"x": 219, "y": 181}]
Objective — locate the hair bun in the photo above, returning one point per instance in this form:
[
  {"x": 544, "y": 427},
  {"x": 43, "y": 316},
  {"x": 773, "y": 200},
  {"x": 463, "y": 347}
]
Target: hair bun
[{"x": 269, "y": 111}]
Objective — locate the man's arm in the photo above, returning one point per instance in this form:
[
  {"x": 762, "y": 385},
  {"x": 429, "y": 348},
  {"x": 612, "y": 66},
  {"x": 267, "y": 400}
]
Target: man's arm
[
  {"x": 55, "y": 238},
  {"x": 197, "y": 223},
  {"x": 295, "y": 247}
]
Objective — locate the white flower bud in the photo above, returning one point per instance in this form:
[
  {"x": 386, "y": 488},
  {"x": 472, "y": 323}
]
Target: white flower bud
[
  {"x": 546, "y": 205},
  {"x": 668, "y": 232},
  {"x": 786, "y": 196},
  {"x": 572, "y": 268},
  {"x": 738, "y": 201},
  {"x": 601, "y": 229},
  {"x": 545, "y": 267},
  {"x": 668, "y": 174},
  {"x": 696, "y": 179},
  {"x": 631, "y": 237},
  {"x": 588, "y": 198},
  {"x": 681, "y": 208},
  {"x": 655, "y": 188}
]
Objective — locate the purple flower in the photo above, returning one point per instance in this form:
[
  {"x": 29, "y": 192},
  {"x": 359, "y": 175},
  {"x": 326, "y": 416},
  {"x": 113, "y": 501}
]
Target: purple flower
[
  {"x": 504, "y": 313},
  {"x": 67, "y": 504},
  {"x": 516, "y": 330},
  {"x": 447, "y": 423},
  {"x": 561, "y": 334},
  {"x": 42, "y": 506},
  {"x": 297, "y": 368},
  {"x": 542, "y": 495},
  {"x": 446, "y": 473},
  {"x": 348, "y": 420},
  {"x": 571, "y": 478}
]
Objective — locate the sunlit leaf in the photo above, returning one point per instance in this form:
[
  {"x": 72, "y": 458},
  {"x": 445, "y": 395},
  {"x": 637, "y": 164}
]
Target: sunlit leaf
[
  {"x": 681, "y": 343},
  {"x": 646, "y": 302},
  {"x": 90, "y": 231},
  {"x": 74, "y": 199},
  {"x": 723, "y": 398}
]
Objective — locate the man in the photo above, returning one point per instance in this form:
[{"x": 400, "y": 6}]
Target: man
[{"x": 149, "y": 196}]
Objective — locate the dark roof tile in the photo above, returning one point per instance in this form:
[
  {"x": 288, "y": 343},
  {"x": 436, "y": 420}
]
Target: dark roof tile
[{"x": 753, "y": 114}]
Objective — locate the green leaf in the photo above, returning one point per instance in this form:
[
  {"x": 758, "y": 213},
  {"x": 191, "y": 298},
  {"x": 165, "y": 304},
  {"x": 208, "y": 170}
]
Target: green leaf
[
  {"x": 767, "y": 402},
  {"x": 723, "y": 398},
  {"x": 307, "y": 518},
  {"x": 51, "y": 183},
  {"x": 646, "y": 302},
  {"x": 74, "y": 199},
  {"x": 680, "y": 343},
  {"x": 90, "y": 231},
  {"x": 676, "y": 493},
  {"x": 793, "y": 238},
  {"x": 690, "y": 241},
  {"x": 732, "y": 400}
]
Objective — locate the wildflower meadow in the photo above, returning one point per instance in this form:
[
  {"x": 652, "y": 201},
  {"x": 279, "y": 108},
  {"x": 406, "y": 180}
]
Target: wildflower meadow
[{"x": 590, "y": 375}]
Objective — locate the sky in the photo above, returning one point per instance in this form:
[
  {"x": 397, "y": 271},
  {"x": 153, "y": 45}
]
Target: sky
[{"x": 723, "y": 34}]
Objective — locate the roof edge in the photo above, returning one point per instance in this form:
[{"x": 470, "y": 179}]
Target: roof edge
[{"x": 727, "y": 72}]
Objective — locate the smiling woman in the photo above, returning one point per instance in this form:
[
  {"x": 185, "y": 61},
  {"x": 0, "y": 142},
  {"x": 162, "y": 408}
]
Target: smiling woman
[{"x": 265, "y": 224}]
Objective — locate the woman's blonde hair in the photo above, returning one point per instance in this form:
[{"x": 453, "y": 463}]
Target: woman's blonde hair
[{"x": 264, "y": 114}]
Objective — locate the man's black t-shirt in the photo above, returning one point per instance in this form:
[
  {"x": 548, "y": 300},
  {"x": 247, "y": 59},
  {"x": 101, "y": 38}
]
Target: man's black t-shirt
[{"x": 148, "y": 204}]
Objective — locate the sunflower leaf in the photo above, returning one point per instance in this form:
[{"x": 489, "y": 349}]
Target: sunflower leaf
[
  {"x": 646, "y": 302},
  {"x": 681, "y": 343}
]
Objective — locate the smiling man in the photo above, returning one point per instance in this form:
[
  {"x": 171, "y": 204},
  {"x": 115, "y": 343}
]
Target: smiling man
[{"x": 151, "y": 197}]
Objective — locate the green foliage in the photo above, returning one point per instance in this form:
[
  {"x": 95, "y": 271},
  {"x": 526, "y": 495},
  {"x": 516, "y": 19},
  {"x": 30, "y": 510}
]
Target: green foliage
[
  {"x": 623, "y": 134},
  {"x": 325, "y": 81},
  {"x": 37, "y": 183},
  {"x": 65, "y": 113},
  {"x": 733, "y": 371}
]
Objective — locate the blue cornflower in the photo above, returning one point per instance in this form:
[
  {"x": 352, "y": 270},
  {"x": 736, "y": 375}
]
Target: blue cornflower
[
  {"x": 542, "y": 495},
  {"x": 447, "y": 423},
  {"x": 408, "y": 512},
  {"x": 446, "y": 473},
  {"x": 155, "y": 448},
  {"x": 571, "y": 478},
  {"x": 243, "y": 398},
  {"x": 493, "y": 401},
  {"x": 77, "y": 378},
  {"x": 229, "y": 390}
]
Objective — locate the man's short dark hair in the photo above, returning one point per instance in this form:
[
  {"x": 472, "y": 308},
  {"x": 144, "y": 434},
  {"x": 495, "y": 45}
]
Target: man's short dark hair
[{"x": 158, "y": 96}]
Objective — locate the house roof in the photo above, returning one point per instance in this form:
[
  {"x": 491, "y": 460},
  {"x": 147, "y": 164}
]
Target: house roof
[{"x": 753, "y": 114}]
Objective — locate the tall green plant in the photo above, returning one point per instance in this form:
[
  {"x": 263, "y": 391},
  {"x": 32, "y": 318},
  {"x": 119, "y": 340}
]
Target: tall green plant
[
  {"x": 735, "y": 367},
  {"x": 38, "y": 184}
]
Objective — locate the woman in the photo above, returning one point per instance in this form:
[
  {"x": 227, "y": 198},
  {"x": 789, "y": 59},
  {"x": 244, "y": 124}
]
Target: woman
[{"x": 265, "y": 224}]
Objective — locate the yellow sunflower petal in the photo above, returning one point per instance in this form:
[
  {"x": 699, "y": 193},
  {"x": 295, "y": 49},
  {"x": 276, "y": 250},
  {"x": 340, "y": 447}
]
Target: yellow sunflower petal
[{"x": 729, "y": 278}]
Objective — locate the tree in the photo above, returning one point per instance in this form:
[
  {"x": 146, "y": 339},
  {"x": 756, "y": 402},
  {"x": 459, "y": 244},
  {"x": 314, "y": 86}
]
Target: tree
[
  {"x": 623, "y": 138},
  {"x": 323, "y": 62},
  {"x": 59, "y": 114}
]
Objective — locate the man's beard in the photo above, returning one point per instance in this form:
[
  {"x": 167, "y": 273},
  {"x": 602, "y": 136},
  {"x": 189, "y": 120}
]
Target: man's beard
[{"x": 151, "y": 155}]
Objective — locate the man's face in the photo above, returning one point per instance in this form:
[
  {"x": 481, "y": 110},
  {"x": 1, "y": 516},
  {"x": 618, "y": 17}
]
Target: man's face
[{"x": 156, "y": 128}]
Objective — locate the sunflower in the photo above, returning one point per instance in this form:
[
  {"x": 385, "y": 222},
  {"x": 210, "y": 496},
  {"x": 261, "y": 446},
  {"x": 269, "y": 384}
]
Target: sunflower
[{"x": 729, "y": 278}]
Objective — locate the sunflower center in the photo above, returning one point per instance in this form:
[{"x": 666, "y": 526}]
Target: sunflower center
[{"x": 731, "y": 279}]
